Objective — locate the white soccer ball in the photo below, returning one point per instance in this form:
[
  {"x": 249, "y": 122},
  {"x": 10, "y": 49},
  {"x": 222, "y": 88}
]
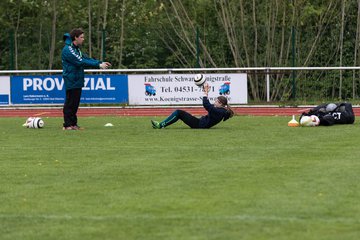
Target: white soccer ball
[
  {"x": 199, "y": 80},
  {"x": 310, "y": 121},
  {"x": 34, "y": 122},
  {"x": 331, "y": 107}
]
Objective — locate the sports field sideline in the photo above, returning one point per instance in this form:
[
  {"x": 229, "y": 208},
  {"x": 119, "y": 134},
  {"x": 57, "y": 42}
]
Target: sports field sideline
[{"x": 152, "y": 111}]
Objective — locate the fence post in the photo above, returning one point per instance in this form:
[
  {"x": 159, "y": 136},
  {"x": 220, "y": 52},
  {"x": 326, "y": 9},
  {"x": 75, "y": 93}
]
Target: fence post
[
  {"x": 197, "y": 48},
  {"x": 103, "y": 54},
  {"x": 12, "y": 49},
  {"x": 267, "y": 85},
  {"x": 293, "y": 31}
]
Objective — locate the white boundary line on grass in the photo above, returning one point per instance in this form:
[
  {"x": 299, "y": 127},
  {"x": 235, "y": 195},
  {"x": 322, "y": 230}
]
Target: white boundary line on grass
[{"x": 251, "y": 218}]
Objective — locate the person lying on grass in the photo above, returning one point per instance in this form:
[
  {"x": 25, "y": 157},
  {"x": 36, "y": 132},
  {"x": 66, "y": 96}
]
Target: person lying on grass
[{"x": 217, "y": 112}]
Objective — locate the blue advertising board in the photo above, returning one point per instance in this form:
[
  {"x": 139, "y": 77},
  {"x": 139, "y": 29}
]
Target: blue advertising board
[{"x": 51, "y": 89}]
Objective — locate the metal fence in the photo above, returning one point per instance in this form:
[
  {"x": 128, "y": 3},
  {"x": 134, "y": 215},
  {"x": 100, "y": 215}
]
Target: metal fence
[{"x": 275, "y": 83}]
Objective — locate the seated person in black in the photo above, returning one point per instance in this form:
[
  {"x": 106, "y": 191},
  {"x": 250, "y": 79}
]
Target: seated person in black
[{"x": 217, "y": 112}]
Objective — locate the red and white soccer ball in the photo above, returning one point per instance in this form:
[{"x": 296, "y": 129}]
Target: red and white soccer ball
[
  {"x": 310, "y": 121},
  {"x": 315, "y": 120},
  {"x": 34, "y": 122}
]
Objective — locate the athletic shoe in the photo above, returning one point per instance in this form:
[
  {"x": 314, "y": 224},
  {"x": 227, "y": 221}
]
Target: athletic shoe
[
  {"x": 155, "y": 124},
  {"x": 76, "y": 127}
]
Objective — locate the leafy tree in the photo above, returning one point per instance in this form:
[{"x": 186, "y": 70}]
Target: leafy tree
[{"x": 190, "y": 33}]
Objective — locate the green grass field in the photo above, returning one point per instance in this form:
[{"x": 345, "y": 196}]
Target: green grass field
[{"x": 247, "y": 178}]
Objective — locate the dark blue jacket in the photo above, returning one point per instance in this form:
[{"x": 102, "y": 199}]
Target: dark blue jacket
[
  {"x": 74, "y": 62},
  {"x": 215, "y": 115}
]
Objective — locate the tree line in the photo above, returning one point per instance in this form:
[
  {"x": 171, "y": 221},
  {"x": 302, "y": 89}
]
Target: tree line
[{"x": 196, "y": 33}]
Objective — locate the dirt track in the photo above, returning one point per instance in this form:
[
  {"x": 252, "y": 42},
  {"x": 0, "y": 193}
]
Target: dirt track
[{"x": 83, "y": 112}]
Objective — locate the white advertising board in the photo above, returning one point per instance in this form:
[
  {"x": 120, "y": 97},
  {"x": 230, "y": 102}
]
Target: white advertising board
[
  {"x": 180, "y": 89},
  {"x": 4, "y": 90}
]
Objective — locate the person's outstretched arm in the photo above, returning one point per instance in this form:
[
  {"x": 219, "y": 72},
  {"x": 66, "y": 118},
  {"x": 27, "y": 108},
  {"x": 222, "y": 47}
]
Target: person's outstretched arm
[{"x": 206, "y": 103}]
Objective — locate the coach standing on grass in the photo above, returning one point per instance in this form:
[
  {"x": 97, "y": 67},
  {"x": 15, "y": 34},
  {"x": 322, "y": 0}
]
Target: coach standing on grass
[{"x": 74, "y": 62}]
